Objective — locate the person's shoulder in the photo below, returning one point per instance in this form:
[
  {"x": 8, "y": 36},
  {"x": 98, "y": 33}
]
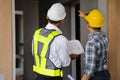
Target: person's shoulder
[
  {"x": 93, "y": 41},
  {"x": 38, "y": 29},
  {"x": 104, "y": 34},
  {"x": 61, "y": 39}
]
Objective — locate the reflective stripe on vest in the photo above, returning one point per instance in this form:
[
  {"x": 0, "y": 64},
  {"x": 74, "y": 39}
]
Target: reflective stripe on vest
[{"x": 42, "y": 55}]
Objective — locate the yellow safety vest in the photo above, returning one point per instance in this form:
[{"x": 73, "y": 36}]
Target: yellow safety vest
[{"x": 41, "y": 45}]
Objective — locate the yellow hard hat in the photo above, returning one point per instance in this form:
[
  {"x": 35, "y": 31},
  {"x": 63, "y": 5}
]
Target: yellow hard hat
[{"x": 95, "y": 19}]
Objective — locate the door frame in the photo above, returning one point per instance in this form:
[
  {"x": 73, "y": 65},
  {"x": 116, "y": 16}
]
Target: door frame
[{"x": 73, "y": 36}]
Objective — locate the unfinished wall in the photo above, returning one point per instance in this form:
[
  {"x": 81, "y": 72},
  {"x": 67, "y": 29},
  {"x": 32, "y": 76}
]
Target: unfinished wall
[{"x": 6, "y": 47}]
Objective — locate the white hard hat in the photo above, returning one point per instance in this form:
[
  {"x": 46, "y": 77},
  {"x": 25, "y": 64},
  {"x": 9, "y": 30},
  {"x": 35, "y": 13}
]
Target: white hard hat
[{"x": 56, "y": 12}]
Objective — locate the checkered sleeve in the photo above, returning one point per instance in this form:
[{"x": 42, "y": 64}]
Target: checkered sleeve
[{"x": 90, "y": 58}]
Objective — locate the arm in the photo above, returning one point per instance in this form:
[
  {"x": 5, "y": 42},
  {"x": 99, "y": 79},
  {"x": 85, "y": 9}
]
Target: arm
[
  {"x": 75, "y": 48},
  {"x": 81, "y": 14},
  {"x": 85, "y": 77},
  {"x": 59, "y": 52},
  {"x": 90, "y": 59},
  {"x": 62, "y": 49},
  {"x": 73, "y": 56}
]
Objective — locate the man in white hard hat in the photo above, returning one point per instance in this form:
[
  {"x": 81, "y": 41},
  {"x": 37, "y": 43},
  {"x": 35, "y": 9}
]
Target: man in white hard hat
[{"x": 50, "y": 47}]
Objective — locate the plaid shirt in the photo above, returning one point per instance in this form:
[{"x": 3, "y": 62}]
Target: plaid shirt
[{"x": 96, "y": 52}]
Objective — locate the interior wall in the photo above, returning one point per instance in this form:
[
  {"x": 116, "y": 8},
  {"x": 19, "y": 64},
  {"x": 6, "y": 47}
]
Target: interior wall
[
  {"x": 31, "y": 23},
  {"x": 6, "y": 38},
  {"x": 114, "y": 38}
]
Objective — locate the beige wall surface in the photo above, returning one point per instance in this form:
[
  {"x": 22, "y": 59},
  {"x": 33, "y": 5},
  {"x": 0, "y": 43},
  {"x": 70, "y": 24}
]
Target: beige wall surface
[
  {"x": 114, "y": 36},
  {"x": 6, "y": 61}
]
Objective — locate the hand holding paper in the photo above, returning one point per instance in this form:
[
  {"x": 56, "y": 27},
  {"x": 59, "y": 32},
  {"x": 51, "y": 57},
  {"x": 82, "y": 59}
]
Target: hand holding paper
[{"x": 75, "y": 47}]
